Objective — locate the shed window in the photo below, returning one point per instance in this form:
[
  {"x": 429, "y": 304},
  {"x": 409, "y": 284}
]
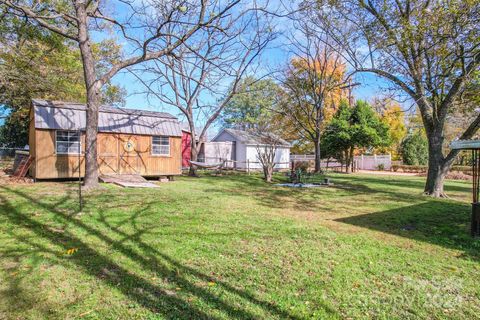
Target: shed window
[
  {"x": 67, "y": 142},
  {"x": 160, "y": 145}
]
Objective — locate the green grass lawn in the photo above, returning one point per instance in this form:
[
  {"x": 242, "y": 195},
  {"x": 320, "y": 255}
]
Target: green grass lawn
[{"x": 235, "y": 247}]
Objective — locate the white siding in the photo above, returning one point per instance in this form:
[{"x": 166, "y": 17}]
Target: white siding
[
  {"x": 251, "y": 156},
  {"x": 218, "y": 151},
  {"x": 282, "y": 157},
  {"x": 241, "y": 155}
]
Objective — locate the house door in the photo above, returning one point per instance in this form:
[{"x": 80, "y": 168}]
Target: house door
[
  {"x": 107, "y": 148},
  {"x": 129, "y": 155}
]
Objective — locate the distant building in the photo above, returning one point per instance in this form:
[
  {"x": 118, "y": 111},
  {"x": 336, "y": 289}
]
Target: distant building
[{"x": 241, "y": 146}]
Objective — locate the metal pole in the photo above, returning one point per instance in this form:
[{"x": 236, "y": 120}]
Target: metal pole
[
  {"x": 475, "y": 218},
  {"x": 474, "y": 175},
  {"x": 80, "y": 171}
]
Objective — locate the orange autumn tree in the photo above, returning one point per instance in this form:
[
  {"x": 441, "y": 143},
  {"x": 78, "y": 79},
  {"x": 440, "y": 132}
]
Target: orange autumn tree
[
  {"x": 327, "y": 80},
  {"x": 313, "y": 86},
  {"x": 392, "y": 114}
]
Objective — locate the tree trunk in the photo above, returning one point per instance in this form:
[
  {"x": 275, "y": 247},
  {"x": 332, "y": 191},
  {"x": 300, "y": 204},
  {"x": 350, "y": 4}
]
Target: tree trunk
[
  {"x": 318, "y": 157},
  {"x": 268, "y": 172},
  {"x": 437, "y": 166},
  {"x": 91, "y": 164},
  {"x": 93, "y": 97},
  {"x": 343, "y": 161},
  {"x": 349, "y": 156},
  {"x": 352, "y": 159},
  {"x": 192, "y": 172}
]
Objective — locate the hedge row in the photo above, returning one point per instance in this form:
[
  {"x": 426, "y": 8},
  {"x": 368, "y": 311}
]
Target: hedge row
[{"x": 423, "y": 169}]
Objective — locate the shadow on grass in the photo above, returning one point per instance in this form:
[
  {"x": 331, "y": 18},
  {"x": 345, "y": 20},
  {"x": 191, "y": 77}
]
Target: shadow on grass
[
  {"x": 415, "y": 182},
  {"x": 272, "y": 196},
  {"x": 138, "y": 289},
  {"x": 16, "y": 291},
  {"x": 438, "y": 222}
]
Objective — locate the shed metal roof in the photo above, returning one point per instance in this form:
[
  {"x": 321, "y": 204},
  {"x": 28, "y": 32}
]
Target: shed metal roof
[{"x": 59, "y": 115}]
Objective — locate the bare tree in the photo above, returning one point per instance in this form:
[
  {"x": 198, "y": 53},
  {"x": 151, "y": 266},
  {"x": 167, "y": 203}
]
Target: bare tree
[
  {"x": 267, "y": 146},
  {"x": 151, "y": 29},
  {"x": 200, "y": 79},
  {"x": 428, "y": 50},
  {"x": 314, "y": 82}
]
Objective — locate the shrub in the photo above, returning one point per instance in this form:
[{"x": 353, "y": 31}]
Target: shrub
[
  {"x": 423, "y": 169},
  {"x": 414, "y": 149},
  {"x": 381, "y": 167},
  {"x": 410, "y": 169},
  {"x": 461, "y": 168},
  {"x": 303, "y": 166}
]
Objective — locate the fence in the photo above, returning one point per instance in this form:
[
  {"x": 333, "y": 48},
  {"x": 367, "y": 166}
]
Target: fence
[
  {"x": 324, "y": 163},
  {"x": 375, "y": 162},
  {"x": 302, "y": 157},
  {"x": 10, "y": 157},
  {"x": 7, "y": 153},
  {"x": 362, "y": 162},
  {"x": 243, "y": 166}
]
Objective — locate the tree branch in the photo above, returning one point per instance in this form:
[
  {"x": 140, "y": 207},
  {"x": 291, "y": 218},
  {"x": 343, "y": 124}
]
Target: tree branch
[{"x": 41, "y": 20}]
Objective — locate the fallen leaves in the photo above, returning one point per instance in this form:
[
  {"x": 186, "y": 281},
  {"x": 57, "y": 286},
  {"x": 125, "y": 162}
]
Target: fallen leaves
[{"x": 71, "y": 251}]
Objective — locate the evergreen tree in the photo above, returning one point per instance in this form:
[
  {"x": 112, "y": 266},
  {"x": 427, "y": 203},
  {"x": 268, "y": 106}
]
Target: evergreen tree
[
  {"x": 414, "y": 149},
  {"x": 354, "y": 128}
]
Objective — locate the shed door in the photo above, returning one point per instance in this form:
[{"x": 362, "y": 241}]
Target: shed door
[
  {"x": 186, "y": 148},
  {"x": 107, "y": 154},
  {"x": 129, "y": 147}
]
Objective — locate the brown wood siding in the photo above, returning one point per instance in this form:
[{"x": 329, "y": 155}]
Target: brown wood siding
[
  {"x": 31, "y": 142},
  {"x": 113, "y": 156},
  {"x": 49, "y": 165}
]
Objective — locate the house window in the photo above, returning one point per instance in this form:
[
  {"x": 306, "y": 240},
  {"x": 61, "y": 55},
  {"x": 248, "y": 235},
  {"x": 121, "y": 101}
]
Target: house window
[
  {"x": 67, "y": 142},
  {"x": 160, "y": 146}
]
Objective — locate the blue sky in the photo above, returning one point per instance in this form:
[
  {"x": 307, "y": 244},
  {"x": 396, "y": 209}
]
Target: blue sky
[
  {"x": 276, "y": 56},
  {"x": 273, "y": 58},
  {"x": 370, "y": 86}
]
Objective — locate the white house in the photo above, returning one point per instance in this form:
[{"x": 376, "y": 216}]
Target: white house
[{"x": 242, "y": 146}]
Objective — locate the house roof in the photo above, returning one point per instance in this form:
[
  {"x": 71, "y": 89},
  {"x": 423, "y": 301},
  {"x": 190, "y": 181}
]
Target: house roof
[
  {"x": 59, "y": 115},
  {"x": 254, "y": 138}
]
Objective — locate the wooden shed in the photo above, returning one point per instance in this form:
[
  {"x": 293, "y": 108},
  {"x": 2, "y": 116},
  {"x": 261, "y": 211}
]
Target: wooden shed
[{"x": 129, "y": 141}]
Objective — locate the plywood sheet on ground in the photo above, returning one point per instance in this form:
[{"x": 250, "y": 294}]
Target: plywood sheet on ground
[{"x": 128, "y": 181}]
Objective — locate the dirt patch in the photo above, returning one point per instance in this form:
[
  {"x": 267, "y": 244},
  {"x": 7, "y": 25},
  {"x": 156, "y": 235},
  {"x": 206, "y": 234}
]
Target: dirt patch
[
  {"x": 6, "y": 178},
  {"x": 10, "y": 265}
]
